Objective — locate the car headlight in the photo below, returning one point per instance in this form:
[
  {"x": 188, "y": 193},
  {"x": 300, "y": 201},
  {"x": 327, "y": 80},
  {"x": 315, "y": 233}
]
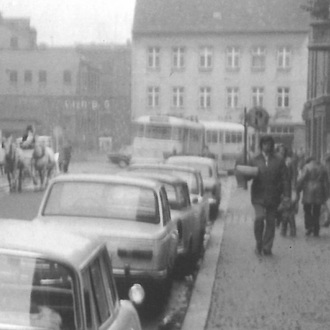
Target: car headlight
[{"x": 136, "y": 294}]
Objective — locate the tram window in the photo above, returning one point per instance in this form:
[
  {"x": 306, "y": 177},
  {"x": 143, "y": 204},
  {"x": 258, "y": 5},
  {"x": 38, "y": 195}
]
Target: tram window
[
  {"x": 239, "y": 137},
  {"x": 194, "y": 135},
  {"x": 212, "y": 137},
  {"x": 285, "y": 129},
  {"x": 158, "y": 132},
  {"x": 233, "y": 137},
  {"x": 220, "y": 137},
  {"x": 291, "y": 130},
  {"x": 228, "y": 137},
  {"x": 176, "y": 133}
]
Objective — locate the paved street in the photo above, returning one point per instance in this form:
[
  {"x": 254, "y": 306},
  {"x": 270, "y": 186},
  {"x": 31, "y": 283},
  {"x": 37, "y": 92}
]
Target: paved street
[{"x": 290, "y": 290}]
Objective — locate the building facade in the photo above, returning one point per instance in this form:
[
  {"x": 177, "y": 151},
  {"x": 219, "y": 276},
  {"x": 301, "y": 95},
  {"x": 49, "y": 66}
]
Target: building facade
[
  {"x": 63, "y": 91},
  {"x": 317, "y": 107},
  {"x": 213, "y": 58}
]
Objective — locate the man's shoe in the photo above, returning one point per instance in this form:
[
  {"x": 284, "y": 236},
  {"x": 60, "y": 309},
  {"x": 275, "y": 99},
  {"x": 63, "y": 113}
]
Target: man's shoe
[
  {"x": 258, "y": 252},
  {"x": 267, "y": 252},
  {"x": 308, "y": 232}
]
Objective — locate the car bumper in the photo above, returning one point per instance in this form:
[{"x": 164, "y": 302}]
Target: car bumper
[{"x": 140, "y": 274}]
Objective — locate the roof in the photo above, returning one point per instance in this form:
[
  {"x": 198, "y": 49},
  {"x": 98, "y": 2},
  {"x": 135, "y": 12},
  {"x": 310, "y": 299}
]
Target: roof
[
  {"x": 37, "y": 239},
  {"x": 191, "y": 159},
  {"x": 106, "y": 178},
  {"x": 219, "y": 16},
  {"x": 168, "y": 120},
  {"x": 222, "y": 125},
  {"x": 147, "y": 166},
  {"x": 161, "y": 177}
]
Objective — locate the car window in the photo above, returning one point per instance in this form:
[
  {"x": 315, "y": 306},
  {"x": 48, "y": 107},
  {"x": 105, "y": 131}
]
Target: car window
[
  {"x": 205, "y": 169},
  {"x": 36, "y": 292},
  {"x": 165, "y": 206},
  {"x": 104, "y": 200}
]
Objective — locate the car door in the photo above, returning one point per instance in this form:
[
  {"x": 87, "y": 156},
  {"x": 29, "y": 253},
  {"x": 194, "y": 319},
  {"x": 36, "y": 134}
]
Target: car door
[{"x": 171, "y": 237}]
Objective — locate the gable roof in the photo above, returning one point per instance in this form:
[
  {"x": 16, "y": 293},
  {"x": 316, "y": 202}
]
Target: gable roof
[{"x": 219, "y": 16}]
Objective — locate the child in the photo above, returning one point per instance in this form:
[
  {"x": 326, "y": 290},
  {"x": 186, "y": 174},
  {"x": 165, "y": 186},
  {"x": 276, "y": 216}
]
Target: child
[{"x": 288, "y": 210}]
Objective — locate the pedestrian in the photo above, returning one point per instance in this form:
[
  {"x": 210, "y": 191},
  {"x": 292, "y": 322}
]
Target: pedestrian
[
  {"x": 314, "y": 184},
  {"x": 65, "y": 156},
  {"x": 268, "y": 187}
]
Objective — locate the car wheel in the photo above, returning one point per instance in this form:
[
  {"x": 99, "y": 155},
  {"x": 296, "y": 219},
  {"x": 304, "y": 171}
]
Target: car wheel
[
  {"x": 214, "y": 211},
  {"x": 122, "y": 163}
]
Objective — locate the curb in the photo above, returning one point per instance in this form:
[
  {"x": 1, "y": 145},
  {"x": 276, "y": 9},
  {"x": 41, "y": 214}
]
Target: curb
[{"x": 200, "y": 301}]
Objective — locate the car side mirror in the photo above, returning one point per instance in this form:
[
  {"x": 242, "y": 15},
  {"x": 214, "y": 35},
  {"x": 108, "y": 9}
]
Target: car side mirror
[{"x": 195, "y": 200}]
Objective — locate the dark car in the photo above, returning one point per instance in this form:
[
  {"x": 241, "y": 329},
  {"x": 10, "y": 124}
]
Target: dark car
[{"x": 122, "y": 157}]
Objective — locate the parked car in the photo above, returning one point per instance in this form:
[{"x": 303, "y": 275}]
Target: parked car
[
  {"x": 194, "y": 181},
  {"x": 211, "y": 177},
  {"x": 122, "y": 157},
  {"x": 131, "y": 214},
  {"x": 191, "y": 235},
  {"x": 54, "y": 280}
]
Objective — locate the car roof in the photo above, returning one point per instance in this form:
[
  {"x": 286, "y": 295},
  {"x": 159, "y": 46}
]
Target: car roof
[
  {"x": 163, "y": 166},
  {"x": 162, "y": 177},
  {"x": 110, "y": 178},
  {"x": 192, "y": 159},
  {"x": 26, "y": 237}
]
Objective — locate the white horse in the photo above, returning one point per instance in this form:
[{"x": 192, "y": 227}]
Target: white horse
[{"x": 44, "y": 164}]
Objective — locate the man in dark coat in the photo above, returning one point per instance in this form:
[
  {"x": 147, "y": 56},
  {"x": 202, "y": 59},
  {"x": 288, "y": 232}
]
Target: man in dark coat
[
  {"x": 268, "y": 187},
  {"x": 314, "y": 184}
]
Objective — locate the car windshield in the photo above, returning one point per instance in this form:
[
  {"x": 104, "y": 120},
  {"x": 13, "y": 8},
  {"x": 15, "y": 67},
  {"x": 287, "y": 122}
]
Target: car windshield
[
  {"x": 103, "y": 200},
  {"x": 36, "y": 292},
  {"x": 189, "y": 177}
]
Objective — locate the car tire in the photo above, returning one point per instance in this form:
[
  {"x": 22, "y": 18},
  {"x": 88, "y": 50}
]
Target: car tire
[
  {"x": 122, "y": 164},
  {"x": 214, "y": 211}
]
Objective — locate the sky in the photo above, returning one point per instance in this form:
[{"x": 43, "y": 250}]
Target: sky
[{"x": 71, "y": 22}]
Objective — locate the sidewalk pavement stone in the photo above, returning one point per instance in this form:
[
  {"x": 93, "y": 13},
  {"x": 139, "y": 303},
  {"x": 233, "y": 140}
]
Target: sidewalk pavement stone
[{"x": 289, "y": 290}]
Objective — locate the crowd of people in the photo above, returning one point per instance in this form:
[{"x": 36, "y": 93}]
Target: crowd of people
[{"x": 284, "y": 179}]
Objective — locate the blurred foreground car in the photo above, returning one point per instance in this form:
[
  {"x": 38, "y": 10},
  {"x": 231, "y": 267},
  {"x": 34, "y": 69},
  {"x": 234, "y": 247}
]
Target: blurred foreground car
[
  {"x": 122, "y": 157},
  {"x": 131, "y": 214},
  {"x": 53, "y": 280},
  {"x": 210, "y": 174},
  {"x": 191, "y": 235},
  {"x": 194, "y": 181}
]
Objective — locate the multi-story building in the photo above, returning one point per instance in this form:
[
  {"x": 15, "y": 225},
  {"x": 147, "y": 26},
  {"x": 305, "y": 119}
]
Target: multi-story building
[
  {"x": 62, "y": 90},
  {"x": 213, "y": 58},
  {"x": 317, "y": 107}
]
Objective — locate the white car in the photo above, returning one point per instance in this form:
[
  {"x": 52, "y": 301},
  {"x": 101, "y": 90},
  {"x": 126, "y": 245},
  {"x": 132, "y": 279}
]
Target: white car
[
  {"x": 50, "y": 279},
  {"x": 132, "y": 215}
]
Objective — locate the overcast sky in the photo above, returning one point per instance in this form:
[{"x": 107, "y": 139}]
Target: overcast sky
[{"x": 68, "y": 22}]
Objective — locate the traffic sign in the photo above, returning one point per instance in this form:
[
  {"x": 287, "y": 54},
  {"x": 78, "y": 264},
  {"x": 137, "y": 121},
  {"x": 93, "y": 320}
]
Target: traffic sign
[{"x": 257, "y": 117}]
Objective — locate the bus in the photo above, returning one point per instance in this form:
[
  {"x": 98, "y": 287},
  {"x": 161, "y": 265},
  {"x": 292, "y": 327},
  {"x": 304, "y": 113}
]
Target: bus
[
  {"x": 226, "y": 141},
  {"x": 158, "y": 136}
]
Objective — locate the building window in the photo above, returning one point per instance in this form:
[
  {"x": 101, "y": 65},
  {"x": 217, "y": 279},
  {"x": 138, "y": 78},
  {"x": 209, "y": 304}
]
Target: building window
[
  {"x": 13, "y": 77},
  {"x": 28, "y": 76},
  {"x": 14, "y": 43},
  {"x": 153, "y": 57},
  {"x": 67, "y": 77},
  {"x": 205, "y": 97},
  {"x": 258, "y": 58},
  {"x": 153, "y": 97},
  {"x": 178, "y": 60},
  {"x": 42, "y": 76},
  {"x": 205, "y": 58},
  {"x": 283, "y": 97},
  {"x": 232, "y": 97},
  {"x": 178, "y": 95},
  {"x": 284, "y": 58},
  {"x": 257, "y": 96},
  {"x": 233, "y": 58}
]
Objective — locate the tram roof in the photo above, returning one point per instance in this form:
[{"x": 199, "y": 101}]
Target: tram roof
[
  {"x": 222, "y": 125},
  {"x": 168, "y": 120}
]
